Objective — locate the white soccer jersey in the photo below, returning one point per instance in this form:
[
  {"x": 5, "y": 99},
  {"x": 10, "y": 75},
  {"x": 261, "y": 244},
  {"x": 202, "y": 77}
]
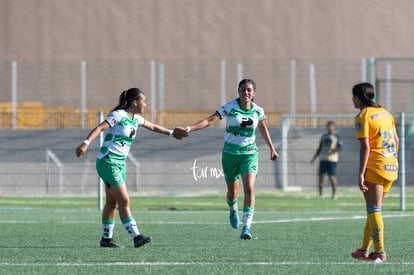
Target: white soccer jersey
[
  {"x": 120, "y": 135},
  {"x": 241, "y": 126}
]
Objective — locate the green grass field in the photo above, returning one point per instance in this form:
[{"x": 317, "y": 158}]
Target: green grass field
[{"x": 293, "y": 233}]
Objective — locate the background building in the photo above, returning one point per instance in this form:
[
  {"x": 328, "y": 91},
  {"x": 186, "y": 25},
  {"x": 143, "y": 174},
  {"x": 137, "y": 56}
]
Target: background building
[{"x": 190, "y": 43}]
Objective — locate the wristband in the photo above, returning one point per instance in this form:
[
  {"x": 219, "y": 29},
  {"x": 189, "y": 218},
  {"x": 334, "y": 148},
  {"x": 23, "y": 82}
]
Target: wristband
[
  {"x": 188, "y": 129},
  {"x": 87, "y": 142},
  {"x": 171, "y": 132}
]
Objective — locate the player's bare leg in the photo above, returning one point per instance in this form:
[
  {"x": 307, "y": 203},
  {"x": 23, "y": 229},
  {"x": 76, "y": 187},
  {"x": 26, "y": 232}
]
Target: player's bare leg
[
  {"x": 333, "y": 181},
  {"x": 320, "y": 185},
  {"x": 108, "y": 221},
  {"x": 248, "y": 187},
  {"x": 120, "y": 194},
  {"x": 109, "y": 210}
]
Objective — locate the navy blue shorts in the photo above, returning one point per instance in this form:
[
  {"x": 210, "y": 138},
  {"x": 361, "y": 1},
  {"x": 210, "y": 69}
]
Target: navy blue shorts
[{"x": 327, "y": 167}]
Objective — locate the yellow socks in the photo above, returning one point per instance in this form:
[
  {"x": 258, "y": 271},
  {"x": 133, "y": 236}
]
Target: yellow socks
[
  {"x": 367, "y": 240},
  {"x": 376, "y": 227}
]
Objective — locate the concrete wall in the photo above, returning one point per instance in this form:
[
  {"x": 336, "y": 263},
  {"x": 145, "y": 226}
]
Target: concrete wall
[
  {"x": 166, "y": 166},
  {"x": 118, "y": 38},
  {"x": 184, "y": 29}
]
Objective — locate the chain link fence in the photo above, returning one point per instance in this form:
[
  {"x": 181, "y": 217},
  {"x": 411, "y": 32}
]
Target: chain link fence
[
  {"x": 39, "y": 162},
  {"x": 79, "y": 87}
]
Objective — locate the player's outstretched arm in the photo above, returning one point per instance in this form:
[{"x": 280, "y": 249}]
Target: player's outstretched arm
[
  {"x": 83, "y": 147},
  {"x": 162, "y": 130},
  {"x": 265, "y": 133},
  {"x": 204, "y": 123}
]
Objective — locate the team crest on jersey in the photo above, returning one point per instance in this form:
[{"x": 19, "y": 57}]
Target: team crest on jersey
[
  {"x": 117, "y": 178},
  {"x": 358, "y": 126}
]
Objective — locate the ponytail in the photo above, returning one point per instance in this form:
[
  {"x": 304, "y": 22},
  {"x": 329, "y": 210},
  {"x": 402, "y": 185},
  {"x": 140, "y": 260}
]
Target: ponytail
[
  {"x": 366, "y": 93},
  {"x": 126, "y": 97}
]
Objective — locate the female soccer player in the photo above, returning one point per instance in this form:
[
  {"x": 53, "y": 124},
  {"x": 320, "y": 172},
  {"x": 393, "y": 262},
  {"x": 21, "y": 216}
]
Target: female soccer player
[
  {"x": 120, "y": 128},
  {"x": 378, "y": 165},
  {"x": 240, "y": 154}
]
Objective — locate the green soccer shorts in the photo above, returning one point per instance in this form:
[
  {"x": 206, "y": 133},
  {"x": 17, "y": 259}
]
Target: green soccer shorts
[
  {"x": 112, "y": 173},
  {"x": 236, "y": 165}
]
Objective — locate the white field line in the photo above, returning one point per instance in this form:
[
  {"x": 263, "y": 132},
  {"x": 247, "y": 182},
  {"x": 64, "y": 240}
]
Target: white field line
[
  {"x": 358, "y": 217},
  {"x": 310, "y": 219},
  {"x": 80, "y": 264}
]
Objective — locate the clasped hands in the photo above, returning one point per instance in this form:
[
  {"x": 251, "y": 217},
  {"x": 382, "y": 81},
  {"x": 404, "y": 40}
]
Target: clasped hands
[{"x": 180, "y": 133}]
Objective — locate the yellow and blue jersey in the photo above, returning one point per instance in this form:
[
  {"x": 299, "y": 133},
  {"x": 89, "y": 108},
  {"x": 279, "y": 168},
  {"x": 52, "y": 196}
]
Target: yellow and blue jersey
[{"x": 378, "y": 126}]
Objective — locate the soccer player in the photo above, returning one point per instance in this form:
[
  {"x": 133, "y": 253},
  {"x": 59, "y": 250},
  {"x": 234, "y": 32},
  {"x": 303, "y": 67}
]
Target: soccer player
[
  {"x": 329, "y": 146},
  {"x": 120, "y": 127},
  {"x": 240, "y": 153},
  {"x": 378, "y": 165}
]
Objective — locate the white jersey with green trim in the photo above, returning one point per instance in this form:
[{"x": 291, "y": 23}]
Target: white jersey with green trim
[
  {"x": 120, "y": 135},
  {"x": 241, "y": 127}
]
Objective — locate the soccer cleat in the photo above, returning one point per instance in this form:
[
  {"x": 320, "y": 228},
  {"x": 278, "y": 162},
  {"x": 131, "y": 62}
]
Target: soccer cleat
[
  {"x": 234, "y": 218},
  {"x": 245, "y": 234},
  {"x": 377, "y": 255},
  {"x": 360, "y": 254},
  {"x": 109, "y": 243},
  {"x": 140, "y": 240}
]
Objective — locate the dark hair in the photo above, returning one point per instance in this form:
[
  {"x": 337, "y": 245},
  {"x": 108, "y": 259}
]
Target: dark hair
[
  {"x": 127, "y": 97},
  {"x": 245, "y": 81},
  {"x": 366, "y": 93},
  {"x": 330, "y": 123}
]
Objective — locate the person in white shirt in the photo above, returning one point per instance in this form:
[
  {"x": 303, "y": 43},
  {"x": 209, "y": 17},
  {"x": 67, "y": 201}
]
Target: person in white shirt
[{"x": 120, "y": 127}]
